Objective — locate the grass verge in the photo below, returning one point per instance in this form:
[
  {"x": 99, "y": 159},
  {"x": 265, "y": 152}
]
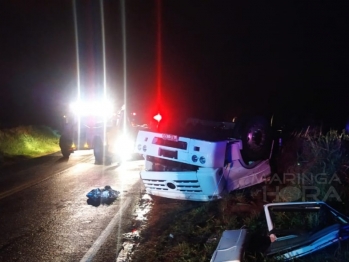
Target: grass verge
[{"x": 27, "y": 142}]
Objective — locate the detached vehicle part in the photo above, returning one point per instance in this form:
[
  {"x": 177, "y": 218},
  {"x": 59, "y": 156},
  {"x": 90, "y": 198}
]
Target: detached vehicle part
[
  {"x": 295, "y": 229},
  {"x": 230, "y": 246},
  {"x": 203, "y": 160}
]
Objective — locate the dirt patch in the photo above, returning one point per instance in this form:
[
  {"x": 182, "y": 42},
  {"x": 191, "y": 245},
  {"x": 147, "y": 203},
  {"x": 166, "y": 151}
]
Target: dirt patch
[
  {"x": 131, "y": 239},
  {"x": 176, "y": 230}
]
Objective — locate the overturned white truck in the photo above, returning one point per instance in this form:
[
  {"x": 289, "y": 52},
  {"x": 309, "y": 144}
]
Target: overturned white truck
[{"x": 203, "y": 160}]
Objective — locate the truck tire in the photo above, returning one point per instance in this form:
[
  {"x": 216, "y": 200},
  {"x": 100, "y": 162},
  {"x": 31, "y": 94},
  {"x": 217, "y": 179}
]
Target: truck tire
[
  {"x": 98, "y": 150},
  {"x": 65, "y": 145},
  {"x": 256, "y": 136}
]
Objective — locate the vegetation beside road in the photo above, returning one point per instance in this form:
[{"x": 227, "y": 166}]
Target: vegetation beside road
[
  {"x": 27, "y": 142},
  {"x": 190, "y": 231}
]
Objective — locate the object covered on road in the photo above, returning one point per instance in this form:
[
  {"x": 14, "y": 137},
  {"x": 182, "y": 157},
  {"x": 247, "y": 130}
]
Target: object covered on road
[
  {"x": 295, "y": 229},
  {"x": 106, "y": 194}
]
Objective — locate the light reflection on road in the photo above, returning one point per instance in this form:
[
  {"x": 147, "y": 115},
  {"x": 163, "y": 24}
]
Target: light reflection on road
[{"x": 82, "y": 153}]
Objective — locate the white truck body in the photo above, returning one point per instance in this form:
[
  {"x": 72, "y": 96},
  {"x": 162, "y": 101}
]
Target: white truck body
[{"x": 193, "y": 169}]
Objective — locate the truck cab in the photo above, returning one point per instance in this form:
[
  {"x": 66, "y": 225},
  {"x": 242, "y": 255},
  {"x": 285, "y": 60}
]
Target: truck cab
[{"x": 204, "y": 160}]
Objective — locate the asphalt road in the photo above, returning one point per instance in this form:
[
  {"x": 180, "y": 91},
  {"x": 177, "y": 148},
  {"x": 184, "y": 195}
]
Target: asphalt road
[{"x": 45, "y": 215}]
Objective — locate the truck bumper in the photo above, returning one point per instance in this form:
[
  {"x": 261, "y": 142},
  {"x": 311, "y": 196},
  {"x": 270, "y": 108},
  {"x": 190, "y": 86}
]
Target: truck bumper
[{"x": 206, "y": 184}]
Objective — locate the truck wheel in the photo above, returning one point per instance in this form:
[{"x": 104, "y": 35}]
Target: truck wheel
[
  {"x": 256, "y": 136},
  {"x": 65, "y": 145},
  {"x": 65, "y": 153},
  {"x": 98, "y": 150}
]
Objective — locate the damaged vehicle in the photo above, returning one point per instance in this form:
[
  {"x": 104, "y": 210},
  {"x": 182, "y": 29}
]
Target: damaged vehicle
[
  {"x": 201, "y": 160},
  {"x": 294, "y": 230}
]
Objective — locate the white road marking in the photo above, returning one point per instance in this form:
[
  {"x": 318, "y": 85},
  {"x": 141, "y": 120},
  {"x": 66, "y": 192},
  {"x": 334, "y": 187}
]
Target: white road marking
[
  {"x": 38, "y": 181},
  {"x": 106, "y": 232},
  {"x": 27, "y": 185},
  {"x": 35, "y": 182}
]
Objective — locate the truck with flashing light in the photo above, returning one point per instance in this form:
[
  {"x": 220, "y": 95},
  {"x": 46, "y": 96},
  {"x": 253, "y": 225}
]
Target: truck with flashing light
[
  {"x": 202, "y": 160},
  {"x": 96, "y": 125}
]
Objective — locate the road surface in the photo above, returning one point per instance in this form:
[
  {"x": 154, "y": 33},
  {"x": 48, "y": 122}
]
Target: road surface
[{"x": 45, "y": 215}]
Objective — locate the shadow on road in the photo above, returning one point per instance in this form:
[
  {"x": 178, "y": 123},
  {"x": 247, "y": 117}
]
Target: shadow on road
[
  {"x": 62, "y": 159},
  {"x": 113, "y": 167},
  {"x": 99, "y": 201},
  {"x": 21, "y": 162}
]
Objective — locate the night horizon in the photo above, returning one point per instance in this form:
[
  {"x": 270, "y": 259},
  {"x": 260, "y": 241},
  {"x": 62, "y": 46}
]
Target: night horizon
[{"x": 219, "y": 59}]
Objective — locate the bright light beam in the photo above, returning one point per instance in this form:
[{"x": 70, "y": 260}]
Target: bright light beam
[
  {"x": 123, "y": 25},
  {"x": 77, "y": 63},
  {"x": 159, "y": 54},
  {"x": 104, "y": 74}
]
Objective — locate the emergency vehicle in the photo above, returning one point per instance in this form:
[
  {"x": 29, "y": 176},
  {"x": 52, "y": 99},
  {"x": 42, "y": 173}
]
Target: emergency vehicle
[{"x": 96, "y": 125}]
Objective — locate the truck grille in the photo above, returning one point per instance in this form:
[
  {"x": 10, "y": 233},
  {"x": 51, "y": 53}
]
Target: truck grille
[{"x": 190, "y": 186}]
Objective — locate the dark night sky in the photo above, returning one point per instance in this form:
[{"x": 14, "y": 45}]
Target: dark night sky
[{"x": 220, "y": 58}]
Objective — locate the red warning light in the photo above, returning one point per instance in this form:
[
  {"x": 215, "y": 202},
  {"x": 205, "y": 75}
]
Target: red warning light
[{"x": 158, "y": 117}]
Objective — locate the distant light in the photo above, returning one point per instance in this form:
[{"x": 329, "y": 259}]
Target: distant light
[
  {"x": 134, "y": 113},
  {"x": 158, "y": 117},
  {"x": 94, "y": 108}
]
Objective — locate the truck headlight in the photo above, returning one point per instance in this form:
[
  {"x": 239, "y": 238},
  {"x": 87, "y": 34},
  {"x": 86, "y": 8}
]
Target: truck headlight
[
  {"x": 202, "y": 160},
  {"x": 124, "y": 146},
  {"x": 92, "y": 108}
]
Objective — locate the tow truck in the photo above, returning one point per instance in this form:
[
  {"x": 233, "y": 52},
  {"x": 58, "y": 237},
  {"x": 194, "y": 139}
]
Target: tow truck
[
  {"x": 96, "y": 125},
  {"x": 202, "y": 160}
]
